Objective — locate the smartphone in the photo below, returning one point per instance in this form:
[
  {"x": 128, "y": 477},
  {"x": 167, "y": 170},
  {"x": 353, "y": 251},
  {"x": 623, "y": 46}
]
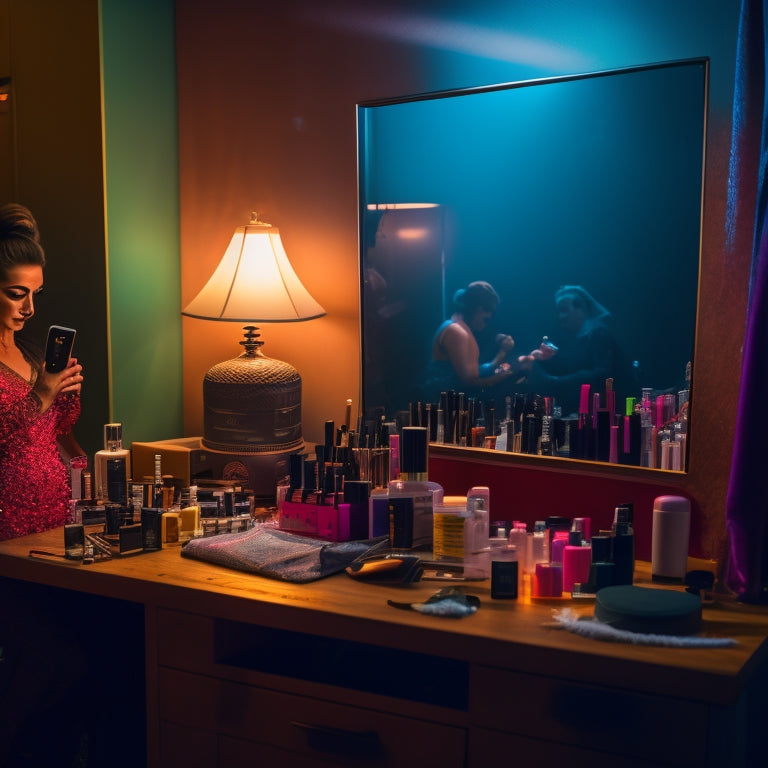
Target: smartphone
[{"x": 58, "y": 348}]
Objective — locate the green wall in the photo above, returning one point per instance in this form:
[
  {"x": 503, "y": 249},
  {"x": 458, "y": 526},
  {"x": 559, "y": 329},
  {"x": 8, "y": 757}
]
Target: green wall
[{"x": 142, "y": 214}]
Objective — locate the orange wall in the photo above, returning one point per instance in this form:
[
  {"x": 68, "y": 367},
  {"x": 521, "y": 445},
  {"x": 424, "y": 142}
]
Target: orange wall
[{"x": 267, "y": 96}]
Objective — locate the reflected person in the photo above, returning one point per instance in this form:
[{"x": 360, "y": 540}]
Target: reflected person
[
  {"x": 455, "y": 363},
  {"x": 588, "y": 352}
]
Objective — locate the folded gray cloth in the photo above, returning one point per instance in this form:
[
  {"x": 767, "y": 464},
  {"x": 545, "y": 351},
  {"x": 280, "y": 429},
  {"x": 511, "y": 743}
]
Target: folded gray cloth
[{"x": 268, "y": 551}]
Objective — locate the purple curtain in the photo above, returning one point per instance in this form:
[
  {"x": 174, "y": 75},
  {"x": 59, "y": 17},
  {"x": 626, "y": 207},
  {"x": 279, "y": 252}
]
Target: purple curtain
[{"x": 747, "y": 222}]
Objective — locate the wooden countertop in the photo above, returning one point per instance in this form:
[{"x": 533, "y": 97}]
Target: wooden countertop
[{"x": 513, "y": 635}]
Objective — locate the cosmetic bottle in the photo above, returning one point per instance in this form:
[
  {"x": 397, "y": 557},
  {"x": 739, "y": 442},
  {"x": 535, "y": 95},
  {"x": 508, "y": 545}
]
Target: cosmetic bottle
[
  {"x": 530, "y": 431},
  {"x": 157, "y": 486},
  {"x": 504, "y": 570},
  {"x": 577, "y": 558},
  {"x": 112, "y": 466},
  {"x": 581, "y": 442},
  {"x": 548, "y": 578},
  {"x": 453, "y": 535},
  {"x": 539, "y": 543},
  {"x": 357, "y": 495},
  {"x": 518, "y": 539},
  {"x": 76, "y": 466},
  {"x": 537, "y": 553},
  {"x": 545, "y": 444},
  {"x": 476, "y": 536},
  {"x": 671, "y": 530},
  {"x": 646, "y": 429},
  {"x": 560, "y": 540},
  {"x": 623, "y": 545},
  {"x": 602, "y": 570},
  {"x": 394, "y": 456},
  {"x": 412, "y": 496},
  {"x": 631, "y": 434}
]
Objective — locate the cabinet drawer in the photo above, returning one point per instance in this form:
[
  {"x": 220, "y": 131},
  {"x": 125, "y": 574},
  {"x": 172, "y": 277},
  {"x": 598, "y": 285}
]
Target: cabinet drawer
[
  {"x": 184, "y": 640},
  {"x": 607, "y": 720},
  {"x": 338, "y": 734},
  {"x": 190, "y": 747},
  {"x": 493, "y": 749}
]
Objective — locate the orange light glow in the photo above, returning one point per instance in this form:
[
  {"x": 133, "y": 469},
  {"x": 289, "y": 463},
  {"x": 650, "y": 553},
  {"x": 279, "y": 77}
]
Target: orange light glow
[{"x": 412, "y": 233}]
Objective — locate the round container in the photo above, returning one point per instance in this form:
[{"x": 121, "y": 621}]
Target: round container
[{"x": 671, "y": 531}]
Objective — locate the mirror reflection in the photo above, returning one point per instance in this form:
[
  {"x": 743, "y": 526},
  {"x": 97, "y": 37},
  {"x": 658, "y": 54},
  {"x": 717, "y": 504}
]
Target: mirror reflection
[{"x": 529, "y": 262}]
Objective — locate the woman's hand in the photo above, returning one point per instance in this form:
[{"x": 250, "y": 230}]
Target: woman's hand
[
  {"x": 544, "y": 352},
  {"x": 49, "y": 385},
  {"x": 504, "y": 342}
]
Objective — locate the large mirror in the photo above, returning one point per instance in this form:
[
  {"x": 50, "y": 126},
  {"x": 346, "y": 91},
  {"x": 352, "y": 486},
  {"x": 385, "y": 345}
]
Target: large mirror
[{"x": 565, "y": 211}]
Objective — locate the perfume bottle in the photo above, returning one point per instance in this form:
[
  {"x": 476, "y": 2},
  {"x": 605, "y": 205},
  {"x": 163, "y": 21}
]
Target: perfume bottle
[
  {"x": 412, "y": 497},
  {"x": 112, "y": 466}
]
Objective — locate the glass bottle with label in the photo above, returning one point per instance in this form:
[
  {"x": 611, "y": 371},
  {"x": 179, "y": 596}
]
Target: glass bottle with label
[
  {"x": 412, "y": 497},
  {"x": 112, "y": 466}
]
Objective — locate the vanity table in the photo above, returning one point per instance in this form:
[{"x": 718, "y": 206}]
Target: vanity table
[{"x": 246, "y": 671}]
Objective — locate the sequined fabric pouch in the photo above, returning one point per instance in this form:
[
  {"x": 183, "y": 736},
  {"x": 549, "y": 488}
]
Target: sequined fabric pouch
[{"x": 267, "y": 551}]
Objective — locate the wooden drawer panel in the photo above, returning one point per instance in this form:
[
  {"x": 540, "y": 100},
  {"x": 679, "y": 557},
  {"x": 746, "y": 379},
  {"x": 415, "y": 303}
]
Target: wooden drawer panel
[
  {"x": 312, "y": 728},
  {"x": 609, "y": 720},
  {"x": 493, "y": 749},
  {"x": 184, "y": 640},
  {"x": 188, "y": 747}
]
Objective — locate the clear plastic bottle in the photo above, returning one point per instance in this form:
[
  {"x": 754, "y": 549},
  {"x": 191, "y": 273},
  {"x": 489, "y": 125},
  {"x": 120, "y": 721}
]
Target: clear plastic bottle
[
  {"x": 518, "y": 538},
  {"x": 538, "y": 544},
  {"x": 476, "y": 533}
]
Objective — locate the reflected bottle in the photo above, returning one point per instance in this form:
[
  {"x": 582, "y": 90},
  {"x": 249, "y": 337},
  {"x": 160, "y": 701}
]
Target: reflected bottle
[{"x": 112, "y": 466}]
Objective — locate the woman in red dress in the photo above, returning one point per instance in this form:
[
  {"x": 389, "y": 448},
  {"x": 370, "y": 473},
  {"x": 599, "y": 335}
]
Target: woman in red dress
[{"x": 37, "y": 408}]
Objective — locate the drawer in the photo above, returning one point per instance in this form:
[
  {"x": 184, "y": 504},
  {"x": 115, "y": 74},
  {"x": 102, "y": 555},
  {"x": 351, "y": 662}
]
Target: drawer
[
  {"x": 190, "y": 747},
  {"x": 184, "y": 640},
  {"x": 599, "y": 718},
  {"x": 324, "y": 731},
  {"x": 493, "y": 749}
]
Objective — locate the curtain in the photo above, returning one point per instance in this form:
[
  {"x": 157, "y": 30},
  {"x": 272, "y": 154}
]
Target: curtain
[{"x": 747, "y": 222}]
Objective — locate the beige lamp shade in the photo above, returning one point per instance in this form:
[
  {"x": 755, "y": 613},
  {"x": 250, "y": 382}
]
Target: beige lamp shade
[{"x": 254, "y": 282}]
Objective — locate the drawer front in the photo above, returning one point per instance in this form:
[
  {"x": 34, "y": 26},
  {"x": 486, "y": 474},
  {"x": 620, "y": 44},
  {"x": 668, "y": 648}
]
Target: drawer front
[
  {"x": 338, "y": 734},
  {"x": 190, "y": 747},
  {"x": 608, "y": 720},
  {"x": 184, "y": 640},
  {"x": 493, "y": 749}
]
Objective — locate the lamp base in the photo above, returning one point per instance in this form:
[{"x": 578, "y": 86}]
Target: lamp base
[{"x": 252, "y": 403}]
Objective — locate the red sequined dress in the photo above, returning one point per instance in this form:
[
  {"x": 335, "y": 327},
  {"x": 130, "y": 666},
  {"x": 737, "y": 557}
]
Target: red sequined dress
[{"x": 34, "y": 483}]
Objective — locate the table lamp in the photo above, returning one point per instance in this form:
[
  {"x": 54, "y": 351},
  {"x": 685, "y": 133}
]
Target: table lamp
[{"x": 252, "y": 403}]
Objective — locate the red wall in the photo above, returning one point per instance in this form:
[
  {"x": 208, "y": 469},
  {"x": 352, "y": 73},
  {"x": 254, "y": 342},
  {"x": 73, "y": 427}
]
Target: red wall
[{"x": 530, "y": 494}]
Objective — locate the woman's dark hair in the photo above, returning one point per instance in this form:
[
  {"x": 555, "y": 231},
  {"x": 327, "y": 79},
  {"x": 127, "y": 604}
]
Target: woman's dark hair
[
  {"x": 583, "y": 300},
  {"x": 475, "y": 296},
  {"x": 19, "y": 239}
]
